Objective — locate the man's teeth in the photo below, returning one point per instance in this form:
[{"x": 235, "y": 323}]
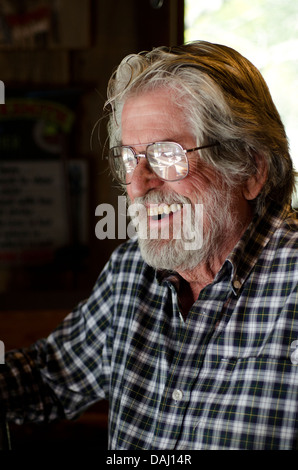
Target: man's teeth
[{"x": 164, "y": 209}]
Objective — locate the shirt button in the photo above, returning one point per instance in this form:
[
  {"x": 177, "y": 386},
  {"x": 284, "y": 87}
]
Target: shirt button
[
  {"x": 177, "y": 395},
  {"x": 237, "y": 284},
  {"x": 294, "y": 357}
]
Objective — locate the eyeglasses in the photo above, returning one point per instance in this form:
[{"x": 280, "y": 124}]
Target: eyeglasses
[{"x": 168, "y": 160}]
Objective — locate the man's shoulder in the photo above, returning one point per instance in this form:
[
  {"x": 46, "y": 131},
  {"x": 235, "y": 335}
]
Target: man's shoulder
[
  {"x": 283, "y": 248},
  {"x": 127, "y": 257},
  {"x": 129, "y": 248},
  {"x": 291, "y": 222},
  {"x": 288, "y": 231}
]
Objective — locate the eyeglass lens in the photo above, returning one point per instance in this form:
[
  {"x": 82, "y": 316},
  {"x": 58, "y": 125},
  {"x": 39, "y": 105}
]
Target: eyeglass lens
[{"x": 166, "y": 159}]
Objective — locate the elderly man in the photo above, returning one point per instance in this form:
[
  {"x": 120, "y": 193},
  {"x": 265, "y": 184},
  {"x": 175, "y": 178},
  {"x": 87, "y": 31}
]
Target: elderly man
[{"x": 195, "y": 347}]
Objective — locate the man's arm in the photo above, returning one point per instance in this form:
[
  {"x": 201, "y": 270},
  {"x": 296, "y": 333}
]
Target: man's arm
[{"x": 24, "y": 394}]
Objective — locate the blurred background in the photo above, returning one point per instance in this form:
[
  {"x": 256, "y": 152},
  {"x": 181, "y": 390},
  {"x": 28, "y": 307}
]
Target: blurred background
[
  {"x": 56, "y": 57},
  {"x": 55, "y": 61},
  {"x": 264, "y": 31}
]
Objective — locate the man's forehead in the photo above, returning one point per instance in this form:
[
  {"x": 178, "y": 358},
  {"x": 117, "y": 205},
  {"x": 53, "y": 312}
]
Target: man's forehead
[{"x": 153, "y": 117}]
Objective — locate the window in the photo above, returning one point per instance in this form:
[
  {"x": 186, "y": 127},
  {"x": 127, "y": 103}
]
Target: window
[{"x": 264, "y": 31}]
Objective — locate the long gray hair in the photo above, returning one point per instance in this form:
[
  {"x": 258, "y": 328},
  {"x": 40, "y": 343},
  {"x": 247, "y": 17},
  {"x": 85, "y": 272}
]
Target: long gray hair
[{"x": 225, "y": 99}]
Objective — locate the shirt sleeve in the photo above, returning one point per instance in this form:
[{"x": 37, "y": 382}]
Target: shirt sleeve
[{"x": 62, "y": 375}]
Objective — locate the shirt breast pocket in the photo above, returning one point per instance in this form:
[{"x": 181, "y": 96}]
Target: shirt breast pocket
[{"x": 248, "y": 403}]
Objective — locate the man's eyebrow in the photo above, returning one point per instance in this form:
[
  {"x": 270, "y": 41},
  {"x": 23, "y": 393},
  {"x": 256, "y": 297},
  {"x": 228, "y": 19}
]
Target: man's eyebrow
[{"x": 170, "y": 139}]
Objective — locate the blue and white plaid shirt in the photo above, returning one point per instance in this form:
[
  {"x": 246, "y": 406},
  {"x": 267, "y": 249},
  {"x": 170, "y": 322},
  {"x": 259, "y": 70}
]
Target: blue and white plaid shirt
[{"x": 226, "y": 378}]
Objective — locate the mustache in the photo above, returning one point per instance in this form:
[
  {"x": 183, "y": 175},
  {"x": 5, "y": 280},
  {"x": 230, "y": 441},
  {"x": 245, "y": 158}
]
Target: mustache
[{"x": 158, "y": 197}]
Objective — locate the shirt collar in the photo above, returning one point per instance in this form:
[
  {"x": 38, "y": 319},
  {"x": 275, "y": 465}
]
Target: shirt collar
[
  {"x": 256, "y": 237},
  {"x": 246, "y": 252}
]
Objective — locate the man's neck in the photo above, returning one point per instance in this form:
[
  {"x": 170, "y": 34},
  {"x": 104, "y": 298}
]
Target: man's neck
[
  {"x": 195, "y": 280},
  {"x": 200, "y": 276}
]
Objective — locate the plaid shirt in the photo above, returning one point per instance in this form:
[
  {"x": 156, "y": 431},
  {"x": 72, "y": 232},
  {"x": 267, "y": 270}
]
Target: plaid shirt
[{"x": 226, "y": 378}]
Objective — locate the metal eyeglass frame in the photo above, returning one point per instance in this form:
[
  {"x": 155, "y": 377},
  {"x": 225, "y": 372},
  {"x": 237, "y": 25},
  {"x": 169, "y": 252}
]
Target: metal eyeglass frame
[{"x": 137, "y": 156}]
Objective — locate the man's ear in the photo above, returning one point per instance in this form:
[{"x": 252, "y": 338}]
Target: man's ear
[{"x": 253, "y": 186}]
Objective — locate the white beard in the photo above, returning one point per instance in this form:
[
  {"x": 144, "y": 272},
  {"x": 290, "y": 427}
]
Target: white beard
[{"x": 176, "y": 253}]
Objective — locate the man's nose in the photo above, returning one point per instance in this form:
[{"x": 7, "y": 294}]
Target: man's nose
[{"x": 143, "y": 179}]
